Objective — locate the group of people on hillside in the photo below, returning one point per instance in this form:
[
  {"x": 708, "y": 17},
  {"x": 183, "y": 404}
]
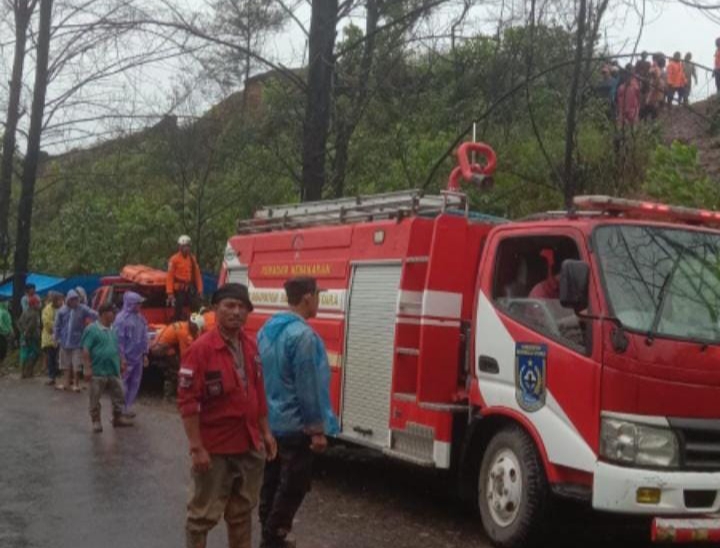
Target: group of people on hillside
[{"x": 638, "y": 92}]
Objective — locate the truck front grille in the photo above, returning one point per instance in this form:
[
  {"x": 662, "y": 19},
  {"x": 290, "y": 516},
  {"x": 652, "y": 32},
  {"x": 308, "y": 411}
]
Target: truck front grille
[{"x": 699, "y": 443}]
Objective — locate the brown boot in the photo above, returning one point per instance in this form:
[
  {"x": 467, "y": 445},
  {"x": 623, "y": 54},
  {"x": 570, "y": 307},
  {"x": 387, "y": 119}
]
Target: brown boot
[
  {"x": 195, "y": 540},
  {"x": 239, "y": 530},
  {"x": 120, "y": 421}
]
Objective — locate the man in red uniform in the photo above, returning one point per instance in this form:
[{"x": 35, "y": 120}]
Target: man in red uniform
[
  {"x": 221, "y": 397},
  {"x": 184, "y": 283}
]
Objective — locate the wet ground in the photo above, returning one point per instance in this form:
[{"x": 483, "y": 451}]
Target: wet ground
[{"x": 63, "y": 486}]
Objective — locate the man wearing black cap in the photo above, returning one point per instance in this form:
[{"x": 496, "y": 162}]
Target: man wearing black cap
[
  {"x": 221, "y": 397},
  {"x": 297, "y": 381}
]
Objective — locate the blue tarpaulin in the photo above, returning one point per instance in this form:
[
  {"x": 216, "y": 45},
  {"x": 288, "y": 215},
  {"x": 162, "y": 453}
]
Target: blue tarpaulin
[
  {"x": 88, "y": 283},
  {"x": 210, "y": 282},
  {"x": 44, "y": 283}
]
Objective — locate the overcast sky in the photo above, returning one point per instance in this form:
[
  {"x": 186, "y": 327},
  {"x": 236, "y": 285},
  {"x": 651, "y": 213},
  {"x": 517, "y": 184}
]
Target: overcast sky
[
  {"x": 672, "y": 26},
  {"x": 669, "y": 26}
]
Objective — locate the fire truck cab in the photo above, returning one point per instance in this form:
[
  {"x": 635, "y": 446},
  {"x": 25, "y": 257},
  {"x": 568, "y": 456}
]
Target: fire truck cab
[{"x": 570, "y": 353}]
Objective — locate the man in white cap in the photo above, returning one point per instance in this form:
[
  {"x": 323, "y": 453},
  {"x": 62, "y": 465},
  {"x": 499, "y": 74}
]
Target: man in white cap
[{"x": 184, "y": 280}]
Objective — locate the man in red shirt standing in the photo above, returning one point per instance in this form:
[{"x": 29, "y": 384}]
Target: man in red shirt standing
[{"x": 221, "y": 397}]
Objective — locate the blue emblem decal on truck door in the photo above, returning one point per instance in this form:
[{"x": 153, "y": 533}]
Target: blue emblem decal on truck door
[{"x": 530, "y": 375}]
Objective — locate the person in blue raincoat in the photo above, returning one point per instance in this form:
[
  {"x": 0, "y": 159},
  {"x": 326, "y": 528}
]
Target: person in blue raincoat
[
  {"x": 133, "y": 339},
  {"x": 70, "y": 322},
  {"x": 297, "y": 384}
]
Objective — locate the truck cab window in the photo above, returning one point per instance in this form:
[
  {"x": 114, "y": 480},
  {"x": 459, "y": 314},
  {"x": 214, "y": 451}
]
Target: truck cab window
[{"x": 527, "y": 282}]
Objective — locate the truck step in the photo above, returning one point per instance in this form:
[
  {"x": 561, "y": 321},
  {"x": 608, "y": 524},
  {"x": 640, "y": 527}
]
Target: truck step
[
  {"x": 415, "y": 443},
  {"x": 409, "y": 458}
]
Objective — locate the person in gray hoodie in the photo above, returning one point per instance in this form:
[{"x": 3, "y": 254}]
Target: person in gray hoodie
[{"x": 70, "y": 322}]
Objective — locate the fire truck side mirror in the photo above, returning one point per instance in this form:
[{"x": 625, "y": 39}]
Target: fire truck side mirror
[{"x": 574, "y": 284}]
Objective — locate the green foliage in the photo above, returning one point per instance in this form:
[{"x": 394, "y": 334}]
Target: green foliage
[
  {"x": 127, "y": 202},
  {"x": 676, "y": 177}
]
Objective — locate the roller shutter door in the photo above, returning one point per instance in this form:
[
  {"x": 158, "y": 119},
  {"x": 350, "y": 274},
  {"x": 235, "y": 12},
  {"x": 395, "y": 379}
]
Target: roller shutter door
[{"x": 369, "y": 353}]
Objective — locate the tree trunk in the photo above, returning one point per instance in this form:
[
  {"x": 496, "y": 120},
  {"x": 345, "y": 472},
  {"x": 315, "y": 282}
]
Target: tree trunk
[
  {"x": 319, "y": 93},
  {"x": 22, "y": 20},
  {"x": 248, "y": 59},
  {"x": 342, "y": 147},
  {"x": 32, "y": 156},
  {"x": 346, "y": 127},
  {"x": 571, "y": 122}
]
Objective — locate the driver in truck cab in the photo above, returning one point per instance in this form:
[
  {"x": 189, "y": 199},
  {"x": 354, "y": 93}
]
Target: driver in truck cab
[{"x": 549, "y": 288}]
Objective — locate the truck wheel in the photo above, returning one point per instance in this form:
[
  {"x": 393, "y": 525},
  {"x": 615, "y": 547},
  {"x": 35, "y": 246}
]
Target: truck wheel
[{"x": 512, "y": 489}]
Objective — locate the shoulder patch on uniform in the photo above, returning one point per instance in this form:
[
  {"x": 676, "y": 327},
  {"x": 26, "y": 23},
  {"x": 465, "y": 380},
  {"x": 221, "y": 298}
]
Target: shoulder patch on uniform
[{"x": 187, "y": 372}]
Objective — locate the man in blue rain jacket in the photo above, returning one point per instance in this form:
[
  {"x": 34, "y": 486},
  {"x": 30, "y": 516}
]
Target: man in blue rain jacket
[{"x": 297, "y": 383}]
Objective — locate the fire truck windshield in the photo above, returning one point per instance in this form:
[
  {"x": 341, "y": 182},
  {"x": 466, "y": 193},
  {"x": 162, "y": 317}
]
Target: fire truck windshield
[{"x": 662, "y": 281}]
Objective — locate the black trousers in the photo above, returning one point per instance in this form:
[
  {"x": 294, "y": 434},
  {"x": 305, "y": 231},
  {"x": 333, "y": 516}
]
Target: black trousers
[
  {"x": 671, "y": 95},
  {"x": 4, "y": 341},
  {"x": 51, "y": 355},
  {"x": 185, "y": 298},
  {"x": 286, "y": 482}
]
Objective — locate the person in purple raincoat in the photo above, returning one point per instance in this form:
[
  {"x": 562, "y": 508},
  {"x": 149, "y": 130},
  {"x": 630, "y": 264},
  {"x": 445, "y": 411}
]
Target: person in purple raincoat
[{"x": 132, "y": 333}]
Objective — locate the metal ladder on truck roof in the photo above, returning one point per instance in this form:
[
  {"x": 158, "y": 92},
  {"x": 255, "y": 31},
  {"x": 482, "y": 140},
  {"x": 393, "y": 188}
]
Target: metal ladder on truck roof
[{"x": 390, "y": 205}]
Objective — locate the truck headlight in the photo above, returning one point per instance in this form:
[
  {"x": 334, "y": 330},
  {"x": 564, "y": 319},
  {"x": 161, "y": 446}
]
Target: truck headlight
[{"x": 638, "y": 444}]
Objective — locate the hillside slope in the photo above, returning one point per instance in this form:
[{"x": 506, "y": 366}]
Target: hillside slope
[{"x": 696, "y": 125}]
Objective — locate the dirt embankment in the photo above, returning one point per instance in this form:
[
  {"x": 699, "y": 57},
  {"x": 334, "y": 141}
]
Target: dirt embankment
[{"x": 699, "y": 125}]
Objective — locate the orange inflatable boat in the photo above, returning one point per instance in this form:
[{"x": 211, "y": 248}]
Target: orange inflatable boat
[{"x": 144, "y": 275}]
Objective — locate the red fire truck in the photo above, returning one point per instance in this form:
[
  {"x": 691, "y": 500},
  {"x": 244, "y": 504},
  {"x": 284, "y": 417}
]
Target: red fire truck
[{"x": 572, "y": 353}]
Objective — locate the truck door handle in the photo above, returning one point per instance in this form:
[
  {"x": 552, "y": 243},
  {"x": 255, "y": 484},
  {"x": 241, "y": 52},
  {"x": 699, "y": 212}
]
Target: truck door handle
[
  {"x": 363, "y": 431},
  {"x": 486, "y": 364}
]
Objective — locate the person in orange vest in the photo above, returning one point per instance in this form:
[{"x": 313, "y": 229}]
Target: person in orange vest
[
  {"x": 184, "y": 281},
  {"x": 676, "y": 79},
  {"x": 209, "y": 319},
  {"x": 171, "y": 345},
  {"x": 716, "y": 72}
]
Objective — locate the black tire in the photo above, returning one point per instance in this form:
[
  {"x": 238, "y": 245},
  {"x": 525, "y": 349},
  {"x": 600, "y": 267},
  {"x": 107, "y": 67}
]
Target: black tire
[{"x": 526, "y": 527}]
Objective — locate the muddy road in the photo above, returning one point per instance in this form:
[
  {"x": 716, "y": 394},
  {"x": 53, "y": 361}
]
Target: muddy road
[{"x": 63, "y": 486}]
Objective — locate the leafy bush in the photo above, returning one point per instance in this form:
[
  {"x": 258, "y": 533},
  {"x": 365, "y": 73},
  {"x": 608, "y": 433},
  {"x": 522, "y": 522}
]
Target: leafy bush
[{"x": 676, "y": 177}]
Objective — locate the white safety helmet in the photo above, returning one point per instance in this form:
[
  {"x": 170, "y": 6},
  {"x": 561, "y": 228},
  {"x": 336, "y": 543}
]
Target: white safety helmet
[
  {"x": 197, "y": 320},
  {"x": 184, "y": 240}
]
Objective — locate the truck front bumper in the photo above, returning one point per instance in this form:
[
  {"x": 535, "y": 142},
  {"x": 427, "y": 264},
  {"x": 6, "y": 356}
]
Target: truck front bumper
[{"x": 615, "y": 489}]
